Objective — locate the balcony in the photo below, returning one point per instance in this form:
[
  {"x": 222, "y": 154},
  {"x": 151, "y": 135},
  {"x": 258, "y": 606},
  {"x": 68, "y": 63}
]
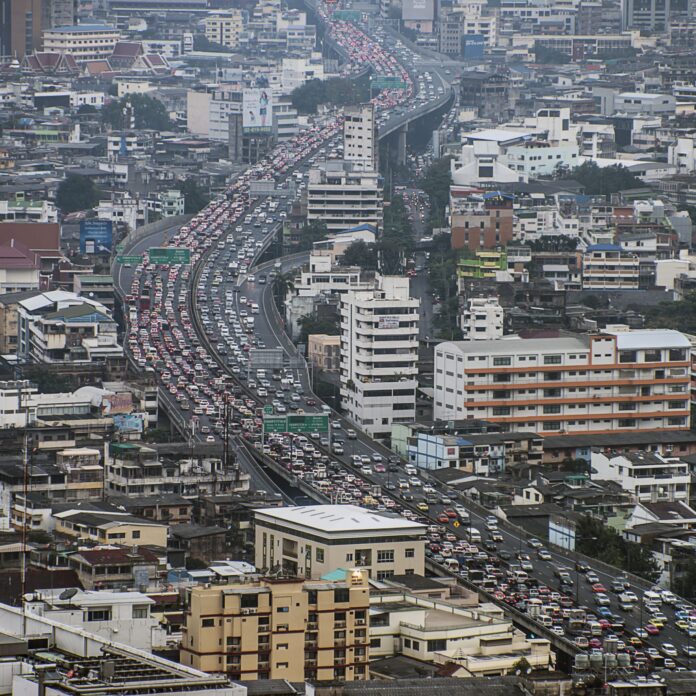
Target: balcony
[
  {"x": 312, "y": 626},
  {"x": 311, "y": 644},
  {"x": 340, "y": 643}
]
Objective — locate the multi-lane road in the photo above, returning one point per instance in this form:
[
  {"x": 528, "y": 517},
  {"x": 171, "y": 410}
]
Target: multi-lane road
[{"x": 197, "y": 316}]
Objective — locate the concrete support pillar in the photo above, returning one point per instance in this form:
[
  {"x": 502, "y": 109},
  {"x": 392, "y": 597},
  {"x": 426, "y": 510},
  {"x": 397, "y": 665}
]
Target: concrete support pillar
[{"x": 401, "y": 146}]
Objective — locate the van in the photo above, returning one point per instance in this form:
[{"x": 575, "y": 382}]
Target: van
[
  {"x": 595, "y": 628},
  {"x": 452, "y": 564},
  {"x": 652, "y": 598},
  {"x": 474, "y": 535},
  {"x": 545, "y": 620},
  {"x": 411, "y": 470}
]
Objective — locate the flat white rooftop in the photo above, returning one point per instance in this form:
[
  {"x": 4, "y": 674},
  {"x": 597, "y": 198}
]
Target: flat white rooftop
[{"x": 338, "y": 519}]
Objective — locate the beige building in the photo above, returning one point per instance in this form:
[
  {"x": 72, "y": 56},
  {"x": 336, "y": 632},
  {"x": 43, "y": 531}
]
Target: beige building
[
  {"x": 324, "y": 352},
  {"x": 280, "y": 629},
  {"x": 224, "y": 28},
  {"x": 110, "y": 528},
  {"x": 479, "y": 639},
  {"x": 83, "y": 41},
  {"x": 314, "y": 540}
]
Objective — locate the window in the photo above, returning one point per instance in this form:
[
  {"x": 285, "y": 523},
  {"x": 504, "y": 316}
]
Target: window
[
  {"x": 135, "y": 534},
  {"x": 407, "y": 643},
  {"x": 410, "y": 553},
  {"x": 626, "y": 356},
  {"x": 281, "y": 665},
  {"x": 320, "y": 555},
  {"x": 282, "y": 610},
  {"x": 375, "y": 642},
  {"x": 553, "y": 359},
  {"x": 341, "y": 595},
  {"x": 501, "y": 411},
  {"x": 502, "y": 360},
  {"x": 384, "y": 574},
  {"x": 100, "y": 614},
  {"x": 349, "y": 557},
  {"x": 385, "y": 557},
  {"x": 207, "y": 623},
  {"x": 140, "y": 611},
  {"x": 677, "y": 354},
  {"x": 554, "y": 408},
  {"x": 438, "y": 644}
]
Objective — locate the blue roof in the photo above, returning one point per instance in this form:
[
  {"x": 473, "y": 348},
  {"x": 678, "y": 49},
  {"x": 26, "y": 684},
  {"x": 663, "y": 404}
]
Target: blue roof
[
  {"x": 360, "y": 228},
  {"x": 338, "y": 575},
  {"x": 604, "y": 247},
  {"x": 75, "y": 28}
]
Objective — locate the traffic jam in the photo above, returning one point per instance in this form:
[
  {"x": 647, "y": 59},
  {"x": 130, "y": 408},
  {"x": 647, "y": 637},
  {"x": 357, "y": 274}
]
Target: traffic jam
[{"x": 190, "y": 325}]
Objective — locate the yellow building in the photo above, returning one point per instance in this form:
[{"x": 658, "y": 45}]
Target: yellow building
[
  {"x": 280, "y": 629},
  {"x": 110, "y": 528},
  {"x": 224, "y": 28},
  {"x": 313, "y": 540},
  {"x": 324, "y": 352}
]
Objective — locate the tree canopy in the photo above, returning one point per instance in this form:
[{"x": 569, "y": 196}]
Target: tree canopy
[
  {"x": 77, "y": 193},
  {"x": 339, "y": 91},
  {"x": 148, "y": 112},
  {"x": 396, "y": 242},
  {"x": 596, "y": 540},
  {"x": 311, "y": 324},
  {"x": 195, "y": 198},
  {"x": 313, "y": 231},
  {"x": 436, "y": 181},
  {"x": 603, "y": 181},
  {"x": 359, "y": 253},
  {"x": 679, "y": 315}
]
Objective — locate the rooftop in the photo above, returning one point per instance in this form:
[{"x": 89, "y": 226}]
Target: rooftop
[
  {"x": 337, "y": 518},
  {"x": 511, "y": 345}
]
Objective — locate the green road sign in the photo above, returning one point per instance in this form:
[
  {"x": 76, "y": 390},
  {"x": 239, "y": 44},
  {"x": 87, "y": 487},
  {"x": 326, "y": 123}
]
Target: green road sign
[
  {"x": 348, "y": 15},
  {"x": 268, "y": 410},
  {"x": 128, "y": 259},
  {"x": 169, "y": 255},
  {"x": 308, "y": 424},
  {"x": 275, "y": 424},
  {"x": 387, "y": 82}
]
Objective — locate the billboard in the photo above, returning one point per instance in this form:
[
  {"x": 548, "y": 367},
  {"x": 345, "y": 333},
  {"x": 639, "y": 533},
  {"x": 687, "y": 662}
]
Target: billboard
[
  {"x": 257, "y": 107},
  {"x": 96, "y": 236},
  {"x": 129, "y": 423},
  {"x": 473, "y": 46},
  {"x": 414, "y": 10},
  {"x": 116, "y": 404}
]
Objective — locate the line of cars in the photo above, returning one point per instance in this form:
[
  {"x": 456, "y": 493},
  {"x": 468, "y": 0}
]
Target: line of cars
[{"x": 161, "y": 336}]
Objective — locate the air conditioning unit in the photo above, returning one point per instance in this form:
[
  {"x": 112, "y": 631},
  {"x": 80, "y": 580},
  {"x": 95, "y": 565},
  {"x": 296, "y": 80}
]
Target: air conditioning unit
[{"x": 247, "y": 611}]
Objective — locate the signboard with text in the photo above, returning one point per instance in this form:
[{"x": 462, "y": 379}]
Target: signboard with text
[
  {"x": 96, "y": 236},
  {"x": 388, "y": 321},
  {"x": 169, "y": 255},
  {"x": 308, "y": 424},
  {"x": 275, "y": 424}
]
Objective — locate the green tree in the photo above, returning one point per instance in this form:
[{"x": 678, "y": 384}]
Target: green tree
[
  {"x": 359, "y": 253},
  {"x": 595, "y": 539},
  {"x": 684, "y": 584},
  {"x": 338, "y": 91},
  {"x": 436, "y": 182},
  {"x": 311, "y": 324},
  {"x": 550, "y": 56},
  {"x": 554, "y": 243},
  {"x": 195, "y": 198},
  {"x": 48, "y": 382},
  {"x": 77, "y": 193},
  {"x": 201, "y": 43},
  {"x": 313, "y": 231},
  {"x": 147, "y": 112},
  {"x": 396, "y": 243},
  {"x": 679, "y": 315},
  {"x": 603, "y": 181}
]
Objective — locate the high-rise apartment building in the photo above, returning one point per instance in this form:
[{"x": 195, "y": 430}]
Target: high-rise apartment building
[
  {"x": 280, "y": 629},
  {"x": 344, "y": 194},
  {"x": 379, "y": 355},
  {"x": 360, "y": 135},
  {"x": 652, "y": 15},
  {"x": 20, "y": 27},
  {"x": 225, "y": 28},
  {"x": 612, "y": 381},
  {"x": 83, "y": 41}
]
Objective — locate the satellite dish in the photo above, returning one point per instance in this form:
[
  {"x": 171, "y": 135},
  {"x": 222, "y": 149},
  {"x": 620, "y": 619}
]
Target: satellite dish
[{"x": 68, "y": 594}]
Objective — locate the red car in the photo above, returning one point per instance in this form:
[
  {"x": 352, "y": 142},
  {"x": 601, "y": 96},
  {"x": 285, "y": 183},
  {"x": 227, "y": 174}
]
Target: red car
[
  {"x": 442, "y": 518},
  {"x": 598, "y": 587},
  {"x": 652, "y": 630}
]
